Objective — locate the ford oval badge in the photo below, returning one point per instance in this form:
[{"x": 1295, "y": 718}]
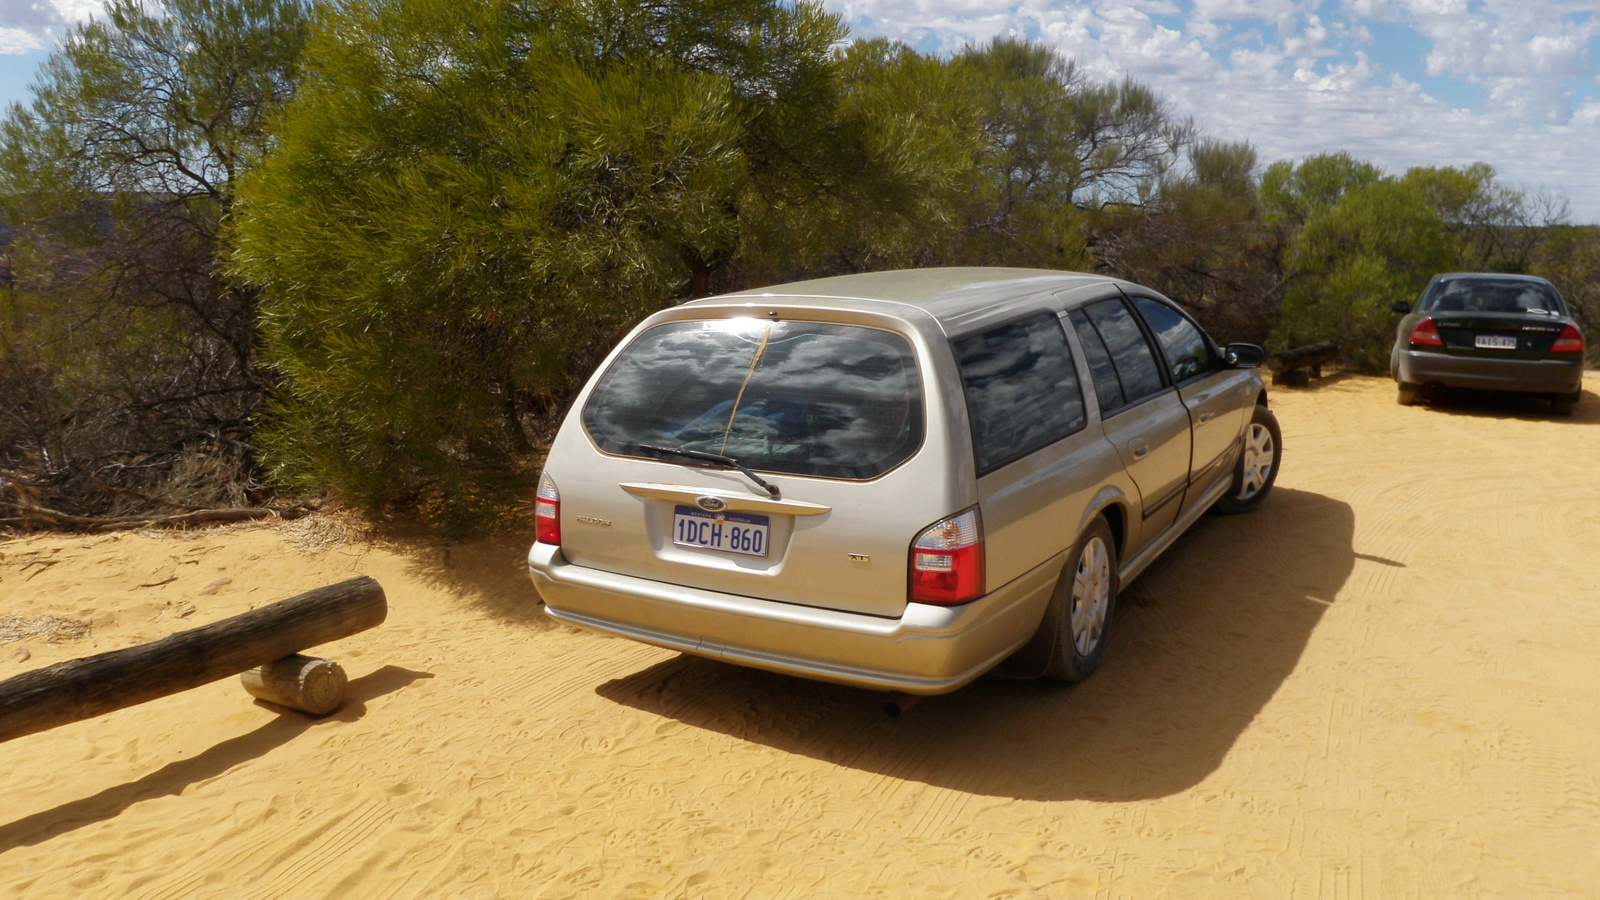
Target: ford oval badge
[{"x": 711, "y": 504}]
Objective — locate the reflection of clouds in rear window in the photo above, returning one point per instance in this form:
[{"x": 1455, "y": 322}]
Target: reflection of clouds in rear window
[
  {"x": 1021, "y": 388},
  {"x": 831, "y": 400}
]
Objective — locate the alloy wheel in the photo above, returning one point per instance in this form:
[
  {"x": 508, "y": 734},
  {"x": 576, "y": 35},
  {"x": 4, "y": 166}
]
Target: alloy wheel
[
  {"x": 1258, "y": 452},
  {"x": 1091, "y": 595}
]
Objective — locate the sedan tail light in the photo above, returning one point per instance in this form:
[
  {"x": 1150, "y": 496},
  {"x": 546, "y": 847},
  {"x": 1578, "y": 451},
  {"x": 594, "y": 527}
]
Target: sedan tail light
[
  {"x": 1569, "y": 341},
  {"x": 947, "y": 560},
  {"x": 547, "y": 512},
  {"x": 1424, "y": 334}
]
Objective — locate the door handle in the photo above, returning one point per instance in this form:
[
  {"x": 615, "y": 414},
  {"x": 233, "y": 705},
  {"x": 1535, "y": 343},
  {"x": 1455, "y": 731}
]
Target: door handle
[{"x": 1139, "y": 448}]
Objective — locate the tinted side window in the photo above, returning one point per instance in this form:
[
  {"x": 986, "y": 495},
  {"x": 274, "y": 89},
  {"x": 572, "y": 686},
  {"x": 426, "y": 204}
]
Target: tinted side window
[
  {"x": 1106, "y": 385},
  {"x": 1130, "y": 352},
  {"x": 1021, "y": 387},
  {"x": 1188, "y": 352}
]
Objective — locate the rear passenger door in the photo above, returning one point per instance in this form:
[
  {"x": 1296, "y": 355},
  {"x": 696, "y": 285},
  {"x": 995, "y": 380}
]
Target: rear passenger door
[
  {"x": 1210, "y": 391},
  {"x": 1142, "y": 415},
  {"x": 1037, "y": 461}
]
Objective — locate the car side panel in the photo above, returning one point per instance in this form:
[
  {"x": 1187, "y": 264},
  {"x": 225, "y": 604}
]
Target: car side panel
[
  {"x": 1219, "y": 405},
  {"x": 1033, "y": 508},
  {"x": 1153, "y": 441}
]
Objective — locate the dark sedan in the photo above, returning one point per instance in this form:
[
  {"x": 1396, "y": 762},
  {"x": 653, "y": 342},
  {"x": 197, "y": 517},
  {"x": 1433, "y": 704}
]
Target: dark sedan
[{"x": 1489, "y": 332}]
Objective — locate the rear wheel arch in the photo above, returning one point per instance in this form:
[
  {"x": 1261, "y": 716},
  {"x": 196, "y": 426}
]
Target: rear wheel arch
[{"x": 1117, "y": 517}]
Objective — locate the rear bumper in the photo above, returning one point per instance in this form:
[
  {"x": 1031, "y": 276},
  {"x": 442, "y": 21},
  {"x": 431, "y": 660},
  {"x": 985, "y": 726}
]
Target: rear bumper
[
  {"x": 927, "y": 650},
  {"x": 1534, "y": 376}
]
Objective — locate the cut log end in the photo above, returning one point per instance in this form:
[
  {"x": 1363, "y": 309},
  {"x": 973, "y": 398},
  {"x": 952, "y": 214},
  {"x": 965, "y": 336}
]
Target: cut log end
[{"x": 306, "y": 683}]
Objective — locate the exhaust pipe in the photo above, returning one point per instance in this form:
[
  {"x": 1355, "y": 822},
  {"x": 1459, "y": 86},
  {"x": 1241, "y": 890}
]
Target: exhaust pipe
[{"x": 898, "y": 702}]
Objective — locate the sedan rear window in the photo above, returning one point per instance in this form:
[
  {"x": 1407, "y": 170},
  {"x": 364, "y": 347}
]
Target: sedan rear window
[
  {"x": 1493, "y": 295},
  {"x": 802, "y": 398}
]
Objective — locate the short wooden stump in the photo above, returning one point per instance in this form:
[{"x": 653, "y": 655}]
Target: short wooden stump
[{"x": 306, "y": 683}]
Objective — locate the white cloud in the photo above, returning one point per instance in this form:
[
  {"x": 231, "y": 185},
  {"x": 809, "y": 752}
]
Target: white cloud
[
  {"x": 1301, "y": 77},
  {"x": 20, "y": 40},
  {"x": 1155, "y": 7},
  {"x": 27, "y": 26}
]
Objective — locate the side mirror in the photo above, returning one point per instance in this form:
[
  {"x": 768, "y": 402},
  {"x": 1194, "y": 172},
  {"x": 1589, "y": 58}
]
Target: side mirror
[
  {"x": 1243, "y": 356},
  {"x": 1400, "y": 306}
]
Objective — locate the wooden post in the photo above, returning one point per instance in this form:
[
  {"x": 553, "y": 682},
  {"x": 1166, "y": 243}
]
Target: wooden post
[
  {"x": 311, "y": 685},
  {"x": 84, "y": 688}
]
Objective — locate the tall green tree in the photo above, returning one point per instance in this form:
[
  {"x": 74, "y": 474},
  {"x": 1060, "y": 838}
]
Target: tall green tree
[
  {"x": 1291, "y": 193},
  {"x": 1055, "y": 145},
  {"x": 901, "y": 139},
  {"x": 1379, "y": 242},
  {"x": 1569, "y": 255},
  {"x": 1495, "y": 227},
  {"x": 117, "y": 177},
  {"x": 469, "y": 201},
  {"x": 1201, "y": 238}
]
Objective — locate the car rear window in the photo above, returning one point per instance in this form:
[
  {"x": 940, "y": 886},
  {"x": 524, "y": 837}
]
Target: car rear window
[
  {"x": 1021, "y": 387},
  {"x": 1493, "y": 295},
  {"x": 802, "y": 398}
]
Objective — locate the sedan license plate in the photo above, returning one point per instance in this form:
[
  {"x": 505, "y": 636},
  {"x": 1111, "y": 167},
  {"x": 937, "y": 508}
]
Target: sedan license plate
[
  {"x": 1494, "y": 342},
  {"x": 740, "y": 533}
]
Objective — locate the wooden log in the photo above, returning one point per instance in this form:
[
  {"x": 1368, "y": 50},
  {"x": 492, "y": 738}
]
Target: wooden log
[
  {"x": 1303, "y": 357},
  {"x": 84, "y": 688},
  {"x": 306, "y": 683}
]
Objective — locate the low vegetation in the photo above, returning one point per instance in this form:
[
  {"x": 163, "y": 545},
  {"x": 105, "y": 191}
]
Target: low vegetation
[{"x": 263, "y": 248}]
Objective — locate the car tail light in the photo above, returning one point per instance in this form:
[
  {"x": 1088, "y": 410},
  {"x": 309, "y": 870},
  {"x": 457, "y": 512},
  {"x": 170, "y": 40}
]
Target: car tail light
[
  {"x": 547, "y": 512},
  {"x": 1424, "y": 334},
  {"x": 947, "y": 560},
  {"x": 1569, "y": 341}
]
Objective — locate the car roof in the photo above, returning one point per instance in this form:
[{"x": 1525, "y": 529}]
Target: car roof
[{"x": 959, "y": 298}]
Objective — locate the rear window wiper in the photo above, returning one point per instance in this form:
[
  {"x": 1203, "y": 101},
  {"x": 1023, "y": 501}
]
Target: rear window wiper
[{"x": 719, "y": 459}]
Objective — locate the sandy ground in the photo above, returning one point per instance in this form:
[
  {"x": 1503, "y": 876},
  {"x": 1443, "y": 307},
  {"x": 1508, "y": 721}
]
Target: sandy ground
[{"x": 1383, "y": 684}]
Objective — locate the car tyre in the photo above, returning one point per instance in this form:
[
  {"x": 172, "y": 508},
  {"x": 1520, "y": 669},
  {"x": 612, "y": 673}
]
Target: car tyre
[
  {"x": 1562, "y": 404},
  {"x": 1081, "y": 607},
  {"x": 1257, "y": 469},
  {"x": 1409, "y": 394}
]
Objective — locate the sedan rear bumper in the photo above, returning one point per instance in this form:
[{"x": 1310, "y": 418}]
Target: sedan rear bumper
[
  {"x": 927, "y": 650},
  {"x": 1534, "y": 376}
]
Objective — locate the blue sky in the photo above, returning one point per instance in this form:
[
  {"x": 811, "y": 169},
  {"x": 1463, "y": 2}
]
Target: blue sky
[{"x": 1513, "y": 83}]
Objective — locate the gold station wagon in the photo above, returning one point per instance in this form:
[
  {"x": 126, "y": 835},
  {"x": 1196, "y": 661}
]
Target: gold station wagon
[{"x": 896, "y": 480}]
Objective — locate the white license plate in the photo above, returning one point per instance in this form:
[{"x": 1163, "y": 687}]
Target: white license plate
[
  {"x": 1494, "y": 342},
  {"x": 740, "y": 533}
]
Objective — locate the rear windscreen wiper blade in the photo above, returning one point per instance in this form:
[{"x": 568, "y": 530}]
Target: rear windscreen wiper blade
[{"x": 719, "y": 459}]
